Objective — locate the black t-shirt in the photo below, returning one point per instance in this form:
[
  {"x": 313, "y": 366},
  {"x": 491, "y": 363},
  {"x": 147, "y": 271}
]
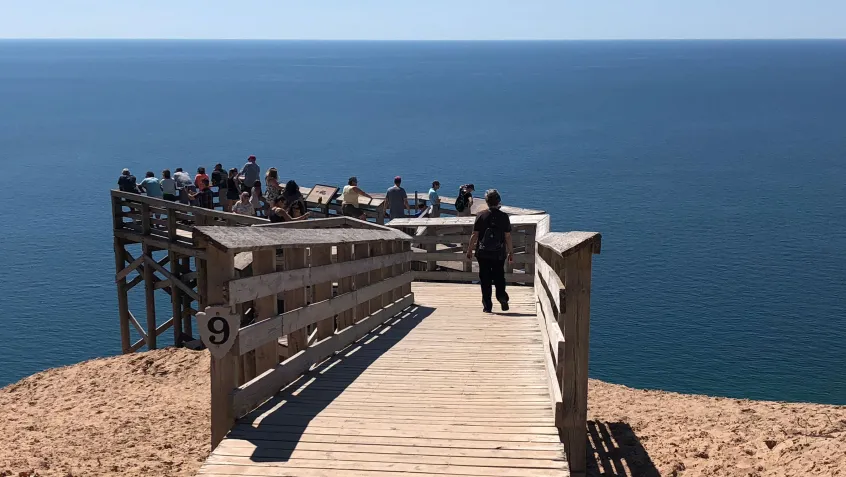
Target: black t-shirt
[
  {"x": 486, "y": 219},
  {"x": 217, "y": 178},
  {"x": 127, "y": 183}
]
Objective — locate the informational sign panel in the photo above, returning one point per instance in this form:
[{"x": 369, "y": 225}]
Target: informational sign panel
[
  {"x": 218, "y": 329},
  {"x": 321, "y": 194}
]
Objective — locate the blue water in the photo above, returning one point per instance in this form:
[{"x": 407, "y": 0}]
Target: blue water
[{"x": 716, "y": 172}]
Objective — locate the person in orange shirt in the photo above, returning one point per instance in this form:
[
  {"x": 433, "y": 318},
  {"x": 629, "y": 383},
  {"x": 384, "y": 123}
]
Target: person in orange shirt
[{"x": 198, "y": 179}]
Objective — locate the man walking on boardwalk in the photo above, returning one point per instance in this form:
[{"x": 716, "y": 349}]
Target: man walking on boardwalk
[{"x": 491, "y": 241}]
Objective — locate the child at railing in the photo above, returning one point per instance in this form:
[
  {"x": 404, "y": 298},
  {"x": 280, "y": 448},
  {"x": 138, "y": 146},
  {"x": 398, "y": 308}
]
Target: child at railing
[
  {"x": 243, "y": 206},
  {"x": 204, "y": 196}
]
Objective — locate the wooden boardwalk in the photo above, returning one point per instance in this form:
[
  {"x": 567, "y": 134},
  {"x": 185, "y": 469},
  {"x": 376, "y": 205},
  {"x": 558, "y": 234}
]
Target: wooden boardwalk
[{"x": 442, "y": 389}]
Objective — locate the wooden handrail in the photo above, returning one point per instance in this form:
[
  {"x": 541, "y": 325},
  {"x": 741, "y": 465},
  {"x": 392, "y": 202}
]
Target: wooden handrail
[
  {"x": 562, "y": 289},
  {"x": 196, "y": 211}
]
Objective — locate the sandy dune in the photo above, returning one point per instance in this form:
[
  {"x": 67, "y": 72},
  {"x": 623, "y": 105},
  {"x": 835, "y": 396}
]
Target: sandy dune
[{"x": 147, "y": 414}]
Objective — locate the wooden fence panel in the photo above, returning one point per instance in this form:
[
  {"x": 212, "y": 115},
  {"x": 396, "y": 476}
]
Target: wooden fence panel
[
  {"x": 323, "y": 291},
  {"x": 266, "y": 355},
  {"x": 295, "y": 259}
]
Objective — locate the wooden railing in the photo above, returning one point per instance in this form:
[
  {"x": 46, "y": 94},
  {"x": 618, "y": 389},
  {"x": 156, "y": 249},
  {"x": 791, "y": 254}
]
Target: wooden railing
[
  {"x": 562, "y": 288},
  {"x": 373, "y": 280},
  {"x": 440, "y": 246},
  {"x": 165, "y": 223},
  {"x": 159, "y": 225}
]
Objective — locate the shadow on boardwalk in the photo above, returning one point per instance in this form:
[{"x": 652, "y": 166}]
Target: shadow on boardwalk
[
  {"x": 615, "y": 451},
  {"x": 279, "y": 424}
]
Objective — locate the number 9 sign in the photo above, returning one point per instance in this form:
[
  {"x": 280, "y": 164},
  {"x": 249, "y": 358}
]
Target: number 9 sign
[{"x": 218, "y": 329}]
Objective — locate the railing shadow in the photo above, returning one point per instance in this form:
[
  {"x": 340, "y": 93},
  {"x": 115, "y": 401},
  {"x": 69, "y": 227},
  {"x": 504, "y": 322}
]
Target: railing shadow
[
  {"x": 614, "y": 450},
  {"x": 278, "y": 425}
]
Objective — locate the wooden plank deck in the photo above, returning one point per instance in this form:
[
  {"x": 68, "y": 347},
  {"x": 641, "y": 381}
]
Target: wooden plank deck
[{"x": 443, "y": 389}]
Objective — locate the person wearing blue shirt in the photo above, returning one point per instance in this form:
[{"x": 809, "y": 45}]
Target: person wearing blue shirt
[
  {"x": 435, "y": 199},
  {"x": 151, "y": 186}
]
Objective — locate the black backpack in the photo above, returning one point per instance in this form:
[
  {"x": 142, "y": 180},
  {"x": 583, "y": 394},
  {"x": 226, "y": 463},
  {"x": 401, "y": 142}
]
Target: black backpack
[
  {"x": 492, "y": 242},
  {"x": 461, "y": 200}
]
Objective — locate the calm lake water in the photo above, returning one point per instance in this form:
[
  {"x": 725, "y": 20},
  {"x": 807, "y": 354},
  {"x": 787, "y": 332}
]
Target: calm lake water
[{"x": 716, "y": 172}]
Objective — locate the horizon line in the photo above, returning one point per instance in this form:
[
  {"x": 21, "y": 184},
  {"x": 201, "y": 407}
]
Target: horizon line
[{"x": 414, "y": 40}]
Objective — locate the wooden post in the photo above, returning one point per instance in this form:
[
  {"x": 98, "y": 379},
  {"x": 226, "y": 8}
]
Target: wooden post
[
  {"x": 345, "y": 285},
  {"x": 323, "y": 291},
  {"x": 123, "y": 299},
  {"x": 387, "y": 273},
  {"x": 530, "y": 251},
  {"x": 376, "y": 249},
  {"x": 175, "y": 296},
  {"x": 468, "y": 266},
  {"x": 576, "y": 328},
  {"x": 295, "y": 258},
  {"x": 266, "y": 355},
  {"x": 224, "y": 375},
  {"x": 406, "y": 267},
  {"x": 431, "y": 265},
  {"x": 362, "y": 250},
  {"x": 185, "y": 267},
  {"x": 380, "y": 213},
  {"x": 150, "y": 296},
  {"x": 396, "y": 247}
]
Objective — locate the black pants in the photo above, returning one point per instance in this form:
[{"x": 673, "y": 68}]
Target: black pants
[{"x": 492, "y": 272}]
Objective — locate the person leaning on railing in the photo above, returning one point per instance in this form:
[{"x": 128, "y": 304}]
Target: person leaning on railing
[
  {"x": 349, "y": 201},
  {"x": 233, "y": 190},
  {"x": 435, "y": 199}
]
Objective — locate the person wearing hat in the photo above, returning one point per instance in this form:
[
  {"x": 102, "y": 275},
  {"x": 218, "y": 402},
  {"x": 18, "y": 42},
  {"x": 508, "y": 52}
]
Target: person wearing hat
[
  {"x": 126, "y": 182},
  {"x": 250, "y": 173},
  {"x": 397, "y": 200}
]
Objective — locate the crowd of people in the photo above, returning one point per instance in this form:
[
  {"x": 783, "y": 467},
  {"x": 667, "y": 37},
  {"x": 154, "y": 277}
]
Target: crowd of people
[
  {"x": 241, "y": 192},
  {"x": 238, "y": 191}
]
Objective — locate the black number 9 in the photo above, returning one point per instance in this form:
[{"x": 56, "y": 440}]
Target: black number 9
[{"x": 223, "y": 329}]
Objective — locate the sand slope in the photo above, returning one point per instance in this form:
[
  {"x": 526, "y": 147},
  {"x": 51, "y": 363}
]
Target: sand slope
[{"x": 148, "y": 414}]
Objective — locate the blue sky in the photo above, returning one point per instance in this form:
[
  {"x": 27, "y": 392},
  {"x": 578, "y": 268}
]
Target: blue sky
[{"x": 423, "y": 19}]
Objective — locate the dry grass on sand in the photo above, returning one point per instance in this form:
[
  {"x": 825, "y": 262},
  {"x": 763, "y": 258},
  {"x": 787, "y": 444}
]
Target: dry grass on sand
[{"x": 148, "y": 414}]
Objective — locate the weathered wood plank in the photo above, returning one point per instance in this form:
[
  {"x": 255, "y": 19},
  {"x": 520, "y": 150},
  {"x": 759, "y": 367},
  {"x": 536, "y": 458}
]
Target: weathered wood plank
[
  {"x": 264, "y": 386},
  {"x": 149, "y": 297},
  {"x": 455, "y": 276},
  {"x": 565, "y": 244},
  {"x": 250, "y": 288},
  {"x": 322, "y": 256},
  {"x": 295, "y": 298},
  {"x": 362, "y": 280},
  {"x": 173, "y": 280},
  {"x": 266, "y": 355},
  {"x": 289, "y": 322},
  {"x": 136, "y": 201},
  {"x": 219, "y": 271},
  {"x": 122, "y": 274},
  {"x": 345, "y": 285},
  {"x": 577, "y": 276},
  {"x": 519, "y": 258},
  {"x": 244, "y": 239},
  {"x": 176, "y": 298}
]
